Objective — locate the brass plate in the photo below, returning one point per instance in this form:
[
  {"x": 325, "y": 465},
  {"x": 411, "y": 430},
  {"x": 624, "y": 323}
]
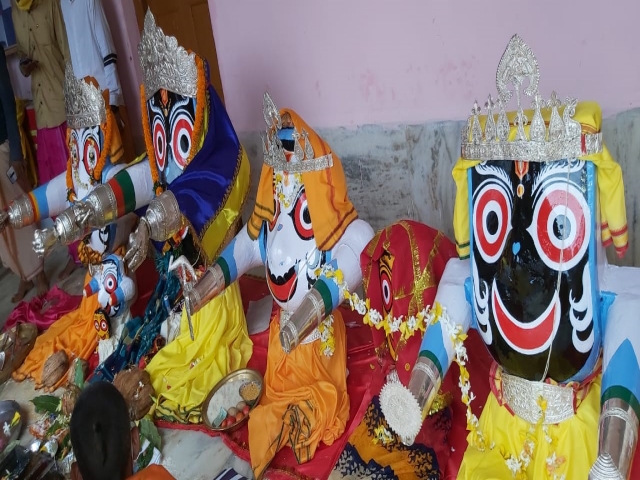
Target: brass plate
[{"x": 240, "y": 376}]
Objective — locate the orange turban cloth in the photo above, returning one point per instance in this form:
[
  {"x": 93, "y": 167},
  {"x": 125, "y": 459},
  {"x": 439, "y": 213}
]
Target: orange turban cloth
[{"x": 329, "y": 205}]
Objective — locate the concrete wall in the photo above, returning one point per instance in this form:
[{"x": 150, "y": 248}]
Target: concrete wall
[{"x": 389, "y": 85}]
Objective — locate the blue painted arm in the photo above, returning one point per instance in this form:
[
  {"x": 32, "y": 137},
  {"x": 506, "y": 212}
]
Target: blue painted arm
[
  {"x": 621, "y": 342},
  {"x": 437, "y": 345},
  {"x": 241, "y": 255},
  {"x": 91, "y": 288}
]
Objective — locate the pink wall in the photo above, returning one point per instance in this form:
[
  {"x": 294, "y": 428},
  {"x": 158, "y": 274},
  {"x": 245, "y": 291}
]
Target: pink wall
[{"x": 343, "y": 63}]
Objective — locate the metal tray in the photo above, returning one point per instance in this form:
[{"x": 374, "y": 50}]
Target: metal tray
[{"x": 239, "y": 376}]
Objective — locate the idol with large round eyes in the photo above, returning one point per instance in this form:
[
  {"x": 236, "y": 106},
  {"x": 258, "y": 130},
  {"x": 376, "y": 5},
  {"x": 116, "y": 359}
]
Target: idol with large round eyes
[
  {"x": 85, "y": 146},
  {"x": 531, "y": 228},
  {"x": 109, "y": 279},
  {"x": 292, "y": 255},
  {"x": 171, "y": 122},
  {"x": 386, "y": 286},
  {"x": 101, "y": 324}
]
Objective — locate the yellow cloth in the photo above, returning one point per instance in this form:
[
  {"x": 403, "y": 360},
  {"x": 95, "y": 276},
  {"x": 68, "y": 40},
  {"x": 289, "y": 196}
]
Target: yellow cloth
[
  {"x": 330, "y": 209},
  {"x": 184, "y": 372},
  {"x": 305, "y": 400},
  {"x": 575, "y": 441},
  {"x": 613, "y": 213},
  {"x": 74, "y": 333},
  {"x": 24, "y": 4}
]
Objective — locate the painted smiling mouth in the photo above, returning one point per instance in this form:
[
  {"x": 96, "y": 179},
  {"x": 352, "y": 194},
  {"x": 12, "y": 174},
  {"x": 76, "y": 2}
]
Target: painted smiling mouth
[
  {"x": 531, "y": 337},
  {"x": 283, "y": 286}
]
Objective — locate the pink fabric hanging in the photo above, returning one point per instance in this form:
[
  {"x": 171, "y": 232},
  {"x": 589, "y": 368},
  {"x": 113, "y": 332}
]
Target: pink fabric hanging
[{"x": 43, "y": 311}]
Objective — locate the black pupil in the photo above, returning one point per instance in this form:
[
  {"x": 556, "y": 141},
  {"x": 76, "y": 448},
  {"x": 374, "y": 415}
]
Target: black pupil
[
  {"x": 184, "y": 142},
  {"x": 306, "y": 218},
  {"x": 159, "y": 144},
  {"x": 492, "y": 223},
  {"x": 561, "y": 227}
]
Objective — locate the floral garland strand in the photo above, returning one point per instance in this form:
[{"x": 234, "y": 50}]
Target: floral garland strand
[
  {"x": 327, "y": 340},
  {"x": 282, "y": 180},
  {"x": 518, "y": 464},
  {"x": 198, "y": 126},
  {"x": 421, "y": 321},
  {"x": 96, "y": 174}
]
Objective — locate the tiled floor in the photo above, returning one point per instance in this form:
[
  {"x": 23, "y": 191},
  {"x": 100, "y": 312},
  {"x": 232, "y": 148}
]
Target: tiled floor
[{"x": 187, "y": 455}]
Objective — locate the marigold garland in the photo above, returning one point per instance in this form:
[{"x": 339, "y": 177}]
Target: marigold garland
[
  {"x": 96, "y": 174},
  {"x": 201, "y": 102},
  {"x": 328, "y": 341},
  {"x": 420, "y": 321},
  {"x": 518, "y": 464},
  {"x": 282, "y": 180}
]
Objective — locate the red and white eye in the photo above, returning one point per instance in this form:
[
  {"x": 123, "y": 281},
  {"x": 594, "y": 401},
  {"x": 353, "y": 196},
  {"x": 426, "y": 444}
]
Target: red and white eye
[
  {"x": 96, "y": 325},
  {"x": 110, "y": 283},
  {"x": 274, "y": 222},
  {"x": 91, "y": 154},
  {"x": 491, "y": 221},
  {"x": 302, "y": 218},
  {"x": 561, "y": 226},
  {"x": 159, "y": 143},
  {"x": 181, "y": 131},
  {"x": 103, "y": 326},
  {"x": 387, "y": 289}
]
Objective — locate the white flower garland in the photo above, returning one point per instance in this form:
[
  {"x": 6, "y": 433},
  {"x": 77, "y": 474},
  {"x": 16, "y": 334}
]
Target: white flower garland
[{"x": 420, "y": 321}]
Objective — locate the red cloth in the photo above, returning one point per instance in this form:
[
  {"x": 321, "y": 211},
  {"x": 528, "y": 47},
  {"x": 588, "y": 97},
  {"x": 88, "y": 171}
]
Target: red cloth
[
  {"x": 56, "y": 303},
  {"x": 401, "y": 269}
]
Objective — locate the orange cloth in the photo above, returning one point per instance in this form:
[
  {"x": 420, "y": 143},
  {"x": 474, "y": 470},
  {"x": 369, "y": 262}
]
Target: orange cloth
[
  {"x": 305, "y": 401},
  {"x": 153, "y": 472},
  {"x": 73, "y": 333},
  {"x": 329, "y": 205}
]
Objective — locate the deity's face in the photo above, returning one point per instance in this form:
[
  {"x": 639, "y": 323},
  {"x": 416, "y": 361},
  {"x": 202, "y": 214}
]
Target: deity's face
[
  {"x": 291, "y": 253},
  {"x": 533, "y": 288},
  {"x": 171, "y": 121},
  {"x": 85, "y": 146},
  {"x": 101, "y": 323},
  {"x": 110, "y": 278}
]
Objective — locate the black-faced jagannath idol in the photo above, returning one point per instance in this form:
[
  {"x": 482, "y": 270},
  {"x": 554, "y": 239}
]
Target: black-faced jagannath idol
[
  {"x": 538, "y": 197},
  {"x": 95, "y": 153},
  {"x": 302, "y": 227}
]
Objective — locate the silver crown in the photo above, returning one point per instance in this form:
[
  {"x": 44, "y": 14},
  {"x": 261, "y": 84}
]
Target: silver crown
[
  {"x": 165, "y": 64},
  {"x": 563, "y": 139},
  {"x": 274, "y": 151},
  {"x": 83, "y": 102}
]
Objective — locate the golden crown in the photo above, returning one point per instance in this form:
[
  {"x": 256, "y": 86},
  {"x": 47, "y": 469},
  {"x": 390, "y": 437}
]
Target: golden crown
[
  {"x": 562, "y": 139},
  {"x": 165, "y": 64}
]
